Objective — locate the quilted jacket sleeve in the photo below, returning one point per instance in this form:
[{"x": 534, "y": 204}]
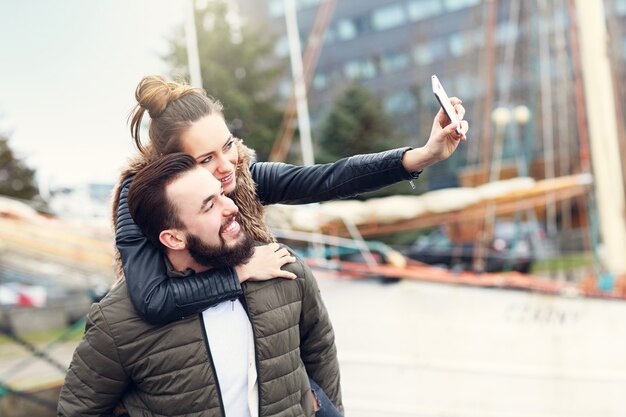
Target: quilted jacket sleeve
[
  {"x": 290, "y": 184},
  {"x": 158, "y": 299},
  {"x": 317, "y": 340},
  {"x": 95, "y": 380}
]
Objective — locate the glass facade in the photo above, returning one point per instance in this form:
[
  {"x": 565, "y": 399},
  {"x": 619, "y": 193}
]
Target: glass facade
[
  {"x": 428, "y": 52},
  {"x": 358, "y": 69},
  {"x": 423, "y": 9},
  {"x": 401, "y": 102},
  {"x": 394, "y": 61},
  {"x": 393, "y": 47},
  {"x": 454, "y": 5},
  {"x": 389, "y": 17},
  {"x": 346, "y": 30}
]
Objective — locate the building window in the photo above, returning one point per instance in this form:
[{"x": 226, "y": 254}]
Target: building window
[
  {"x": 478, "y": 37},
  {"x": 423, "y": 9},
  {"x": 507, "y": 78},
  {"x": 427, "y": 98},
  {"x": 423, "y": 55},
  {"x": 402, "y": 102},
  {"x": 360, "y": 69},
  {"x": 429, "y": 52},
  {"x": 281, "y": 48},
  {"x": 394, "y": 62},
  {"x": 362, "y": 23},
  {"x": 302, "y": 4},
  {"x": 346, "y": 29},
  {"x": 388, "y": 17},
  {"x": 461, "y": 43},
  {"x": 458, "y": 44},
  {"x": 284, "y": 89},
  {"x": 320, "y": 81},
  {"x": 467, "y": 87},
  {"x": 276, "y": 8},
  {"x": 561, "y": 20},
  {"x": 506, "y": 32},
  {"x": 453, "y": 5},
  {"x": 329, "y": 36}
]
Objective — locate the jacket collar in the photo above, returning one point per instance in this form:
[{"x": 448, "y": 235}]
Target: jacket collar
[{"x": 172, "y": 273}]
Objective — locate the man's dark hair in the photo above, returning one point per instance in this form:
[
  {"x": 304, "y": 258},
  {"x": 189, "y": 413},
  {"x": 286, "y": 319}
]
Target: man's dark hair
[{"x": 147, "y": 201}]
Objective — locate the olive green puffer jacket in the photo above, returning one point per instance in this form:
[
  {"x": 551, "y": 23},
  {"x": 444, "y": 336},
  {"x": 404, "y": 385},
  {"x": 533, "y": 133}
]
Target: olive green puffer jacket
[{"x": 167, "y": 370}]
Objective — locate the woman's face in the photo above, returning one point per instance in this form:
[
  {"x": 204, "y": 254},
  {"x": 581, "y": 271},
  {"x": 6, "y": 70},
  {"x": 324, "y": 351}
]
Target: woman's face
[{"x": 212, "y": 145}]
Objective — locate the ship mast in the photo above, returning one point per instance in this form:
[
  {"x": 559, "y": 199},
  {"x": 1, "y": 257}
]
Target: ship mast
[{"x": 603, "y": 135}]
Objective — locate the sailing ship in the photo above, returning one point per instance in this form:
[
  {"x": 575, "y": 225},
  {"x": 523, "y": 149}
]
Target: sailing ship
[{"x": 559, "y": 189}]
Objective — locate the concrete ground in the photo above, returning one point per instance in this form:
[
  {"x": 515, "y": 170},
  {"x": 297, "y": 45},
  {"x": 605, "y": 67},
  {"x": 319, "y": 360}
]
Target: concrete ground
[
  {"x": 419, "y": 349},
  {"x": 426, "y": 350}
]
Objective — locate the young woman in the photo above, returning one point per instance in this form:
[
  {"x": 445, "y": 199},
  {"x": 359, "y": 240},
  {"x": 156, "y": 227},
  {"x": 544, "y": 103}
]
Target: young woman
[{"x": 185, "y": 119}]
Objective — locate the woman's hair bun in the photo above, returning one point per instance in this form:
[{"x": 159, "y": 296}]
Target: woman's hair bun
[
  {"x": 160, "y": 99},
  {"x": 154, "y": 93}
]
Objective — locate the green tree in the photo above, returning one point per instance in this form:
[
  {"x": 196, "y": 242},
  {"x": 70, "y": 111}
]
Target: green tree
[
  {"x": 235, "y": 70},
  {"x": 356, "y": 124},
  {"x": 16, "y": 179}
]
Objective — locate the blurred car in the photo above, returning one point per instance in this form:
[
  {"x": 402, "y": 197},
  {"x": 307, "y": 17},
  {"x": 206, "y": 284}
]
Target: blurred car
[{"x": 513, "y": 247}]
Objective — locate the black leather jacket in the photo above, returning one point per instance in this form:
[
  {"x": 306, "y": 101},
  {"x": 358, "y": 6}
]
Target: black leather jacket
[{"x": 161, "y": 300}]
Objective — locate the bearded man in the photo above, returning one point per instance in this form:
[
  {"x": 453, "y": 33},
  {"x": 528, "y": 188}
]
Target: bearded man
[{"x": 248, "y": 357}]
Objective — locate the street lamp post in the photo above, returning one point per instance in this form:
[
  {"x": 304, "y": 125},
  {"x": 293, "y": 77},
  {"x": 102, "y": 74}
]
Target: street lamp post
[
  {"x": 521, "y": 115},
  {"x": 500, "y": 117}
]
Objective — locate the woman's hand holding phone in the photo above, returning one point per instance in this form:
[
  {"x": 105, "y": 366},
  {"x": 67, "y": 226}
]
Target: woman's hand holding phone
[
  {"x": 446, "y": 104},
  {"x": 445, "y": 134}
]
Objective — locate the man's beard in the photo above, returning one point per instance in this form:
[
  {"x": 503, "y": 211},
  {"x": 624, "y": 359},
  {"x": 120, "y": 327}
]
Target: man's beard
[{"x": 222, "y": 255}]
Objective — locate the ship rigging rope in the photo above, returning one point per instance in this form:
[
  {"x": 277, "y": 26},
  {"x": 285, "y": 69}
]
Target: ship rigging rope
[
  {"x": 36, "y": 353},
  {"x": 40, "y": 353},
  {"x": 6, "y": 390}
]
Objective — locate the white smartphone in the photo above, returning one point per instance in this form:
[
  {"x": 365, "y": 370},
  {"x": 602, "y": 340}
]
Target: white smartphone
[{"x": 444, "y": 101}]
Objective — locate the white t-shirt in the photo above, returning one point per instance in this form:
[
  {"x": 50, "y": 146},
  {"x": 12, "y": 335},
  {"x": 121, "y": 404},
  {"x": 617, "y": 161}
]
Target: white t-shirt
[{"x": 231, "y": 342}]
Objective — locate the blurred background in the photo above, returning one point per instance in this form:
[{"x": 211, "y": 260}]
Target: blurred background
[{"x": 494, "y": 285}]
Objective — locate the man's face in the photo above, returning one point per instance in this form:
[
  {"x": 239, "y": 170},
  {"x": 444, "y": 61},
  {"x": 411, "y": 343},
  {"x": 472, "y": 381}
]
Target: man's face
[{"x": 212, "y": 234}]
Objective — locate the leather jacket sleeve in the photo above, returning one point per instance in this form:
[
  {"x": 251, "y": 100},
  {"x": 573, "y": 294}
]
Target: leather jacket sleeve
[
  {"x": 160, "y": 300},
  {"x": 290, "y": 184},
  {"x": 157, "y": 298}
]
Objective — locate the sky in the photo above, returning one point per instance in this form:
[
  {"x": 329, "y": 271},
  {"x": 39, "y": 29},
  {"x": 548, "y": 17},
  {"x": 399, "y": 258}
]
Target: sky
[{"x": 68, "y": 72}]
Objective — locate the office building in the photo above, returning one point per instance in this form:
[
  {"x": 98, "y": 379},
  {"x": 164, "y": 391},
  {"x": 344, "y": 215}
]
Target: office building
[{"x": 490, "y": 53}]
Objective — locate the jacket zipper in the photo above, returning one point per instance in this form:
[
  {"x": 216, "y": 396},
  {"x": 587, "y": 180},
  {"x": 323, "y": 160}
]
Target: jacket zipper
[
  {"x": 217, "y": 381},
  {"x": 244, "y": 301}
]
